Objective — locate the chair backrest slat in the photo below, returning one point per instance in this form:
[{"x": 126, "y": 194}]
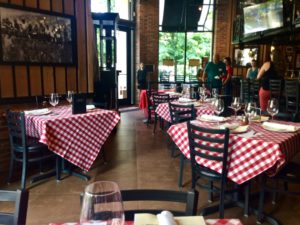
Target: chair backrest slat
[
  {"x": 160, "y": 98},
  {"x": 16, "y": 127},
  {"x": 292, "y": 95},
  {"x": 181, "y": 113}
]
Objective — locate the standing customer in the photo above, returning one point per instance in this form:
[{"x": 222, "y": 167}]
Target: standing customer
[
  {"x": 266, "y": 72},
  {"x": 226, "y": 80},
  {"x": 252, "y": 71},
  {"x": 142, "y": 77},
  {"x": 214, "y": 71}
]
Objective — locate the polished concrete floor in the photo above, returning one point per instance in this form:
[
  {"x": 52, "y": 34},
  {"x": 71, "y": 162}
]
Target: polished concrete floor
[{"x": 135, "y": 159}]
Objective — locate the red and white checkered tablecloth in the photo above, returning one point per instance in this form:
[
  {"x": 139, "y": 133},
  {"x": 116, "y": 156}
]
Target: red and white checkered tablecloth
[
  {"x": 248, "y": 156},
  {"x": 207, "y": 222},
  {"x": 163, "y": 110},
  {"x": 76, "y": 138}
]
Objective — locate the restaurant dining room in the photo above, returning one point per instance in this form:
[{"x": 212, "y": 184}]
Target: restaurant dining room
[{"x": 149, "y": 112}]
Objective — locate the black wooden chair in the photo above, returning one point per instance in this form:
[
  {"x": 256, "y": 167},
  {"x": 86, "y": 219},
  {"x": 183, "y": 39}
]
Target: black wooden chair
[
  {"x": 158, "y": 99},
  {"x": 245, "y": 90},
  {"x": 254, "y": 90},
  {"x": 217, "y": 154},
  {"x": 190, "y": 199},
  {"x": 25, "y": 149},
  {"x": 276, "y": 88},
  {"x": 179, "y": 114},
  {"x": 20, "y": 200}
]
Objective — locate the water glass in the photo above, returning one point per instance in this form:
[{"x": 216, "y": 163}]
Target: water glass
[
  {"x": 273, "y": 107},
  {"x": 251, "y": 110},
  {"x": 102, "y": 202},
  {"x": 215, "y": 92},
  {"x": 69, "y": 96},
  {"x": 218, "y": 105},
  {"x": 54, "y": 99}
]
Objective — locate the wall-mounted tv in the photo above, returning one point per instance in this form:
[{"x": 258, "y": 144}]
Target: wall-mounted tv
[{"x": 264, "y": 16}]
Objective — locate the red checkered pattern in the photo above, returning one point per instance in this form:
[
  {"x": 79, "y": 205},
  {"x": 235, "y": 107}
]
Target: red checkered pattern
[
  {"x": 207, "y": 221},
  {"x": 76, "y": 138},
  {"x": 163, "y": 110},
  {"x": 248, "y": 157}
]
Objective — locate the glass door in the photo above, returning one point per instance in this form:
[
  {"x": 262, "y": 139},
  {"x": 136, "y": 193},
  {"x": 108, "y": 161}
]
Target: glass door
[{"x": 124, "y": 66}]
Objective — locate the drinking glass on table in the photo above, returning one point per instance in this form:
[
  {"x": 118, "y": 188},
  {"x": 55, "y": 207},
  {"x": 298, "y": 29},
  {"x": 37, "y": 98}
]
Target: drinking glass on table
[
  {"x": 202, "y": 93},
  {"x": 218, "y": 105},
  {"x": 273, "y": 107},
  {"x": 236, "y": 105},
  {"x": 251, "y": 110},
  {"x": 102, "y": 202},
  {"x": 214, "y": 92},
  {"x": 69, "y": 96},
  {"x": 53, "y": 99}
]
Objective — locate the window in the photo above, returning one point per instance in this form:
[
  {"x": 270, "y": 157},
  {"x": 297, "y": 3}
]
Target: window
[{"x": 123, "y": 7}]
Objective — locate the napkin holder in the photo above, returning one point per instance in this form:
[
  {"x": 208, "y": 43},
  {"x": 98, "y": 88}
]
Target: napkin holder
[{"x": 79, "y": 103}]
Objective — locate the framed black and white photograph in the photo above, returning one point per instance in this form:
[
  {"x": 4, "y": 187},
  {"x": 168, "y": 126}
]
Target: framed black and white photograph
[{"x": 33, "y": 37}]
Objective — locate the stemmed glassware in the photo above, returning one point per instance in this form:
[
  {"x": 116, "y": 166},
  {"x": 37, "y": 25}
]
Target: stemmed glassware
[
  {"x": 236, "y": 105},
  {"x": 54, "y": 99},
  {"x": 214, "y": 92},
  {"x": 273, "y": 107},
  {"x": 102, "y": 202},
  {"x": 251, "y": 110},
  {"x": 218, "y": 105},
  {"x": 202, "y": 93},
  {"x": 69, "y": 96}
]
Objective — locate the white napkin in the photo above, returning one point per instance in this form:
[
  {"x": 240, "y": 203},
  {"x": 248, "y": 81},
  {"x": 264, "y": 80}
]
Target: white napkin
[
  {"x": 230, "y": 126},
  {"x": 280, "y": 127},
  {"x": 166, "y": 218},
  {"x": 37, "y": 111},
  {"x": 186, "y": 100},
  {"x": 90, "y": 107},
  {"x": 212, "y": 118}
]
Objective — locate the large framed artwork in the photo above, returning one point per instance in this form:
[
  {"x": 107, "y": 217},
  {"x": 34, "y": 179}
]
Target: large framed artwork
[{"x": 36, "y": 37}]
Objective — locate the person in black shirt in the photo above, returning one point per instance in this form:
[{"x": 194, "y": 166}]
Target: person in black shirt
[{"x": 142, "y": 77}]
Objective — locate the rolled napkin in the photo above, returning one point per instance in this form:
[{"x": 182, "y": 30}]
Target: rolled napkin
[
  {"x": 166, "y": 218},
  {"x": 90, "y": 107},
  {"x": 37, "y": 111},
  {"x": 280, "y": 127},
  {"x": 230, "y": 126},
  {"x": 212, "y": 118}
]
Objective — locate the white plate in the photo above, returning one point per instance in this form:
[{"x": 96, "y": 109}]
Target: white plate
[
  {"x": 39, "y": 113},
  {"x": 211, "y": 120},
  {"x": 240, "y": 129}
]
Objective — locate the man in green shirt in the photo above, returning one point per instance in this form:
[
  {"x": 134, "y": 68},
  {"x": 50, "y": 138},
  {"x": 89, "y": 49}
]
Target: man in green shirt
[{"x": 214, "y": 71}]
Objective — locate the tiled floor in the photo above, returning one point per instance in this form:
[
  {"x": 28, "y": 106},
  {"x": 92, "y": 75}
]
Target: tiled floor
[{"x": 135, "y": 159}]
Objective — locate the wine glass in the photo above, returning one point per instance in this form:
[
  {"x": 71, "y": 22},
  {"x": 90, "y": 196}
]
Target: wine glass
[
  {"x": 69, "y": 96},
  {"x": 273, "y": 107},
  {"x": 215, "y": 92},
  {"x": 202, "y": 93},
  {"x": 251, "y": 110},
  {"x": 236, "y": 105},
  {"x": 102, "y": 202},
  {"x": 218, "y": 105},
  {"x": 54, "y": 99}
]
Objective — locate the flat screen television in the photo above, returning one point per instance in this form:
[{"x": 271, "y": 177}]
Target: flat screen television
[{"x": 264, "y": 16}]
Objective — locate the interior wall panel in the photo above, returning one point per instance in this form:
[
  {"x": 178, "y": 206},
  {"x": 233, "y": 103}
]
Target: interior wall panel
[
  {"x": 6, "y": 81},
  {"x": 21, "y": 81},
  {"x": 45, "y": 4},
  {"x": 48, "y": 80},
  {"x": 69, "y": 7},
  {"x": 31, "y": 3},
  {"x": 35, "y": 80},
  {"x": 4, "y": 1},
  {"x": 57, "y": 6},
  {"x": 60, "y": 78},
  {"x": 16, "y": 2},
  {"x": 71, "y": 77}
]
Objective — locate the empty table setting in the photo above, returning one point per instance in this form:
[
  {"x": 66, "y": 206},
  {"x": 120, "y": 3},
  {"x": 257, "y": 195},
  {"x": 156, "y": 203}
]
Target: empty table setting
[{"x": 77, "y": 138}]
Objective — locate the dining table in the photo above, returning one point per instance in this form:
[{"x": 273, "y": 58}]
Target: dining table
[
  {"x": 207, "y": 222},
  {"x": 251, "y": 153},
  {"x": 77, "y": 138}
]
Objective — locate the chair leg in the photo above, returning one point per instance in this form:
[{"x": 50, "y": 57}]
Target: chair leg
[
  {"x": 155, "y": 121},
  {"x": 247, "y": 195},
  {"x": 11, "y": 168},
  {"x": 24, "y": 172},
  {"x": 221, "y": 207},
  {"x": 274, "y": 192},
  {"x": 181, "y": 171},
  {"x": 149, "y": 118},
  {"x": 210, "y": 194}
]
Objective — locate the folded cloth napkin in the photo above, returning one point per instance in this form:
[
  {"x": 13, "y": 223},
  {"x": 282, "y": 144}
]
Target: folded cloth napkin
[
  {"x": 90, "y": 107},
  {"x": 230, "y": 126},
  {"x": 37, "y": 111},
  {"x": 212, "y": 118},
  {"x": 166, "y": 218},
  {"x": 280, "y": 127},
  {"x": 186, "y": 100}
]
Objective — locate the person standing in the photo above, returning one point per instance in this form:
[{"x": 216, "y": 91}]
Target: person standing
[
  {"x": 252, "y": 71},
  {"x": 214, "y": 71},
  {"x": 266, "y": 72},
  {"x": 226, "y": 79},
  {"x": 142, "y": 77}
]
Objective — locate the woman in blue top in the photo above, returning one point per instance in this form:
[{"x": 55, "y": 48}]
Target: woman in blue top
[{"x": 252, "y": 71}]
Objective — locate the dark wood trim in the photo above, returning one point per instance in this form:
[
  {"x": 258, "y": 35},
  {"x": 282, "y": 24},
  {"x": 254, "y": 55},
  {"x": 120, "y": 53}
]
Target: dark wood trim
[
  {"x": 51, "y": 6},
  {"x": 28, "y": 79},
  {"x": 63, "y": 6},
  {"x": 66, "y": 77},
  {"x": 54, "y": 78},
  {"x": 14, "y": 80},
  {"x": 42, "y": 80}
]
